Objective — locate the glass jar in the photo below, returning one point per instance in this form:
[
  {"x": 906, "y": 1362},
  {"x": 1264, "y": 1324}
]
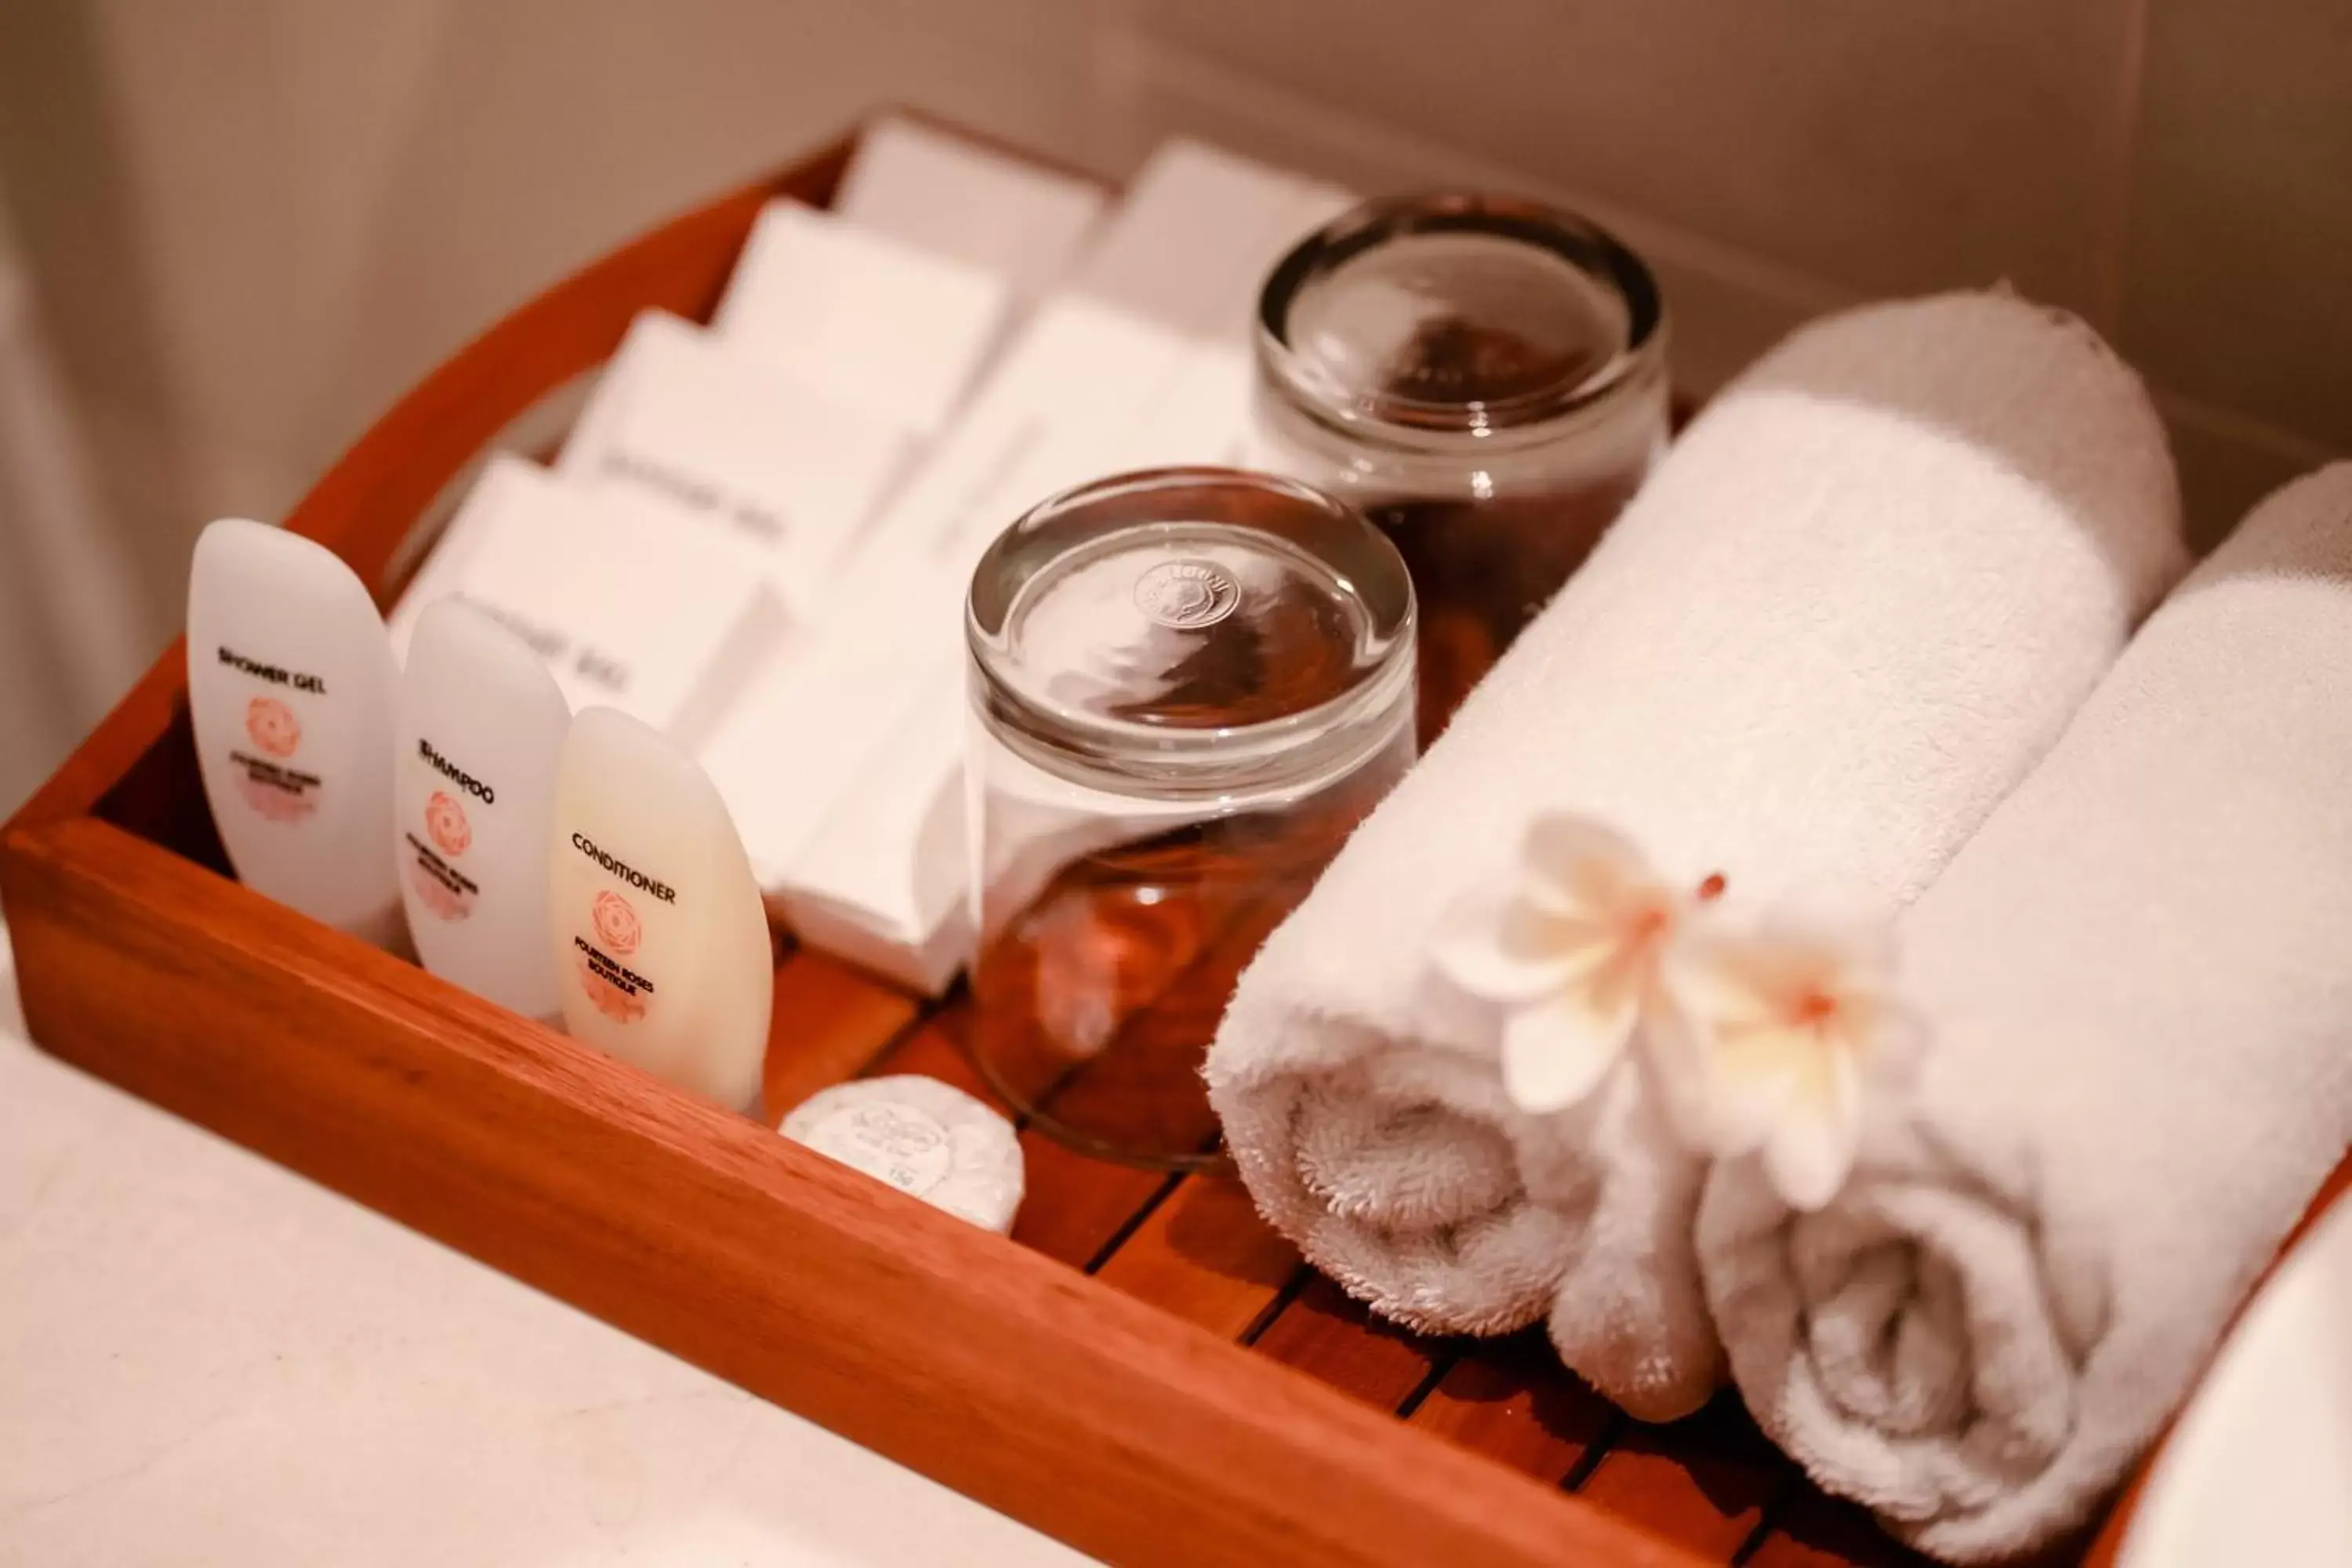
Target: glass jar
[
  {"x": 1188, "y": 686},
  {"x": 1486, "y": 379}
]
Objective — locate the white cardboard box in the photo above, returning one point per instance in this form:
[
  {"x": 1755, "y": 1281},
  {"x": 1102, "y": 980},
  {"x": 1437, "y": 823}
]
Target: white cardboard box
[
  {"x": 1200, "y": 229},
  {"x": 629, "y": 611},
  {"x": 883, "y": 881},
  {"x": 953, "y": 198},
  {"x": 686, "y": 421},
  {"x": 870, "y": 320}
]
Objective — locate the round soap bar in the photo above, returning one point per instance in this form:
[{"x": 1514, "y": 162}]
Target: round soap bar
[{"x": 925, "y": 1138}]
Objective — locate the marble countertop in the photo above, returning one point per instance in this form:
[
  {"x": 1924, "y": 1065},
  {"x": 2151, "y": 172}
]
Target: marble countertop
[{"x": 206, "y": 1359}]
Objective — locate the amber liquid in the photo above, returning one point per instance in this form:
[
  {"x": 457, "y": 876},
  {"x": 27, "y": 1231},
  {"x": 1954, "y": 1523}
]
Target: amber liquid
[
  {"x": 1482, "y": 571},
  {"x": 1095, "y": 1004}
]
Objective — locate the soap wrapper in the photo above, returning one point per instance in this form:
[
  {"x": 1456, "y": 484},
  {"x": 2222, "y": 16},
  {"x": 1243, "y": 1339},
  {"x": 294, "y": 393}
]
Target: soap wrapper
[
  {"x": 952, "y": 197},
  {"x": 876, "y": 322},
  {"x": 687, "y": 422},
  {"x": 1200, "y": 229},
  {"x": 627, "y": 612}
]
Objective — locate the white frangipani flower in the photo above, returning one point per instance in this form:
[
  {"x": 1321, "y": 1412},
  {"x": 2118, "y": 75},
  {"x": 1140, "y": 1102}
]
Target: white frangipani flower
[
  {"x": 1570, "y": 952},
  {"x": 1769, "y": 1034}
]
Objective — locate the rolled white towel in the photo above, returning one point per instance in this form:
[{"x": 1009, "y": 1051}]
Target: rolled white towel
[
  {"x": 1857, "y": 601},
  {"x": 2136, "y": 988}
]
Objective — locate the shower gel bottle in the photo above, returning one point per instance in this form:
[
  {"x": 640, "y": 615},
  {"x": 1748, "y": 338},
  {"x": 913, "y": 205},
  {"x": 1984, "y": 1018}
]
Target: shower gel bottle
[{"x": 291, "y": 697}]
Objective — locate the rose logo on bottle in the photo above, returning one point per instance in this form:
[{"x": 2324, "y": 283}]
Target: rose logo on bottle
[
  {"x": 616, "y": 922},
  {"x": 272, "y": 726},
  {"x": 445, "y": 824},
  {"x": 615, "y": 989}
]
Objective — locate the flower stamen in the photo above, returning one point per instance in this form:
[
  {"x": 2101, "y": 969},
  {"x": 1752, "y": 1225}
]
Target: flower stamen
[
  {"x": 1648, "y": 927},
  {"x": 1814, "y": 1010}
]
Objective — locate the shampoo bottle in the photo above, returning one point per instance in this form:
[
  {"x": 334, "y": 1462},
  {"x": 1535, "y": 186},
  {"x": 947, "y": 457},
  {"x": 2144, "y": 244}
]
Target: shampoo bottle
[
  {"x": 657, "y": 920},
  {"x": 289, "y": 693},
  {"x": 481, "y": 732}
]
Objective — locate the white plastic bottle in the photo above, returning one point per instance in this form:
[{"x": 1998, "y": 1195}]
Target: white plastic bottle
[
  {"x": 289, "y": 691},
  {"x": 657, "y": 923},
  {"x": 481, "y": 733}
]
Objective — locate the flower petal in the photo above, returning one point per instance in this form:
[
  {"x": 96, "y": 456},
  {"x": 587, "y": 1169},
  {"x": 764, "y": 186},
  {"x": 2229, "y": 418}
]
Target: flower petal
[
  {"x": 1709, "y": 975},
  {"x": 1508, "y": 952},
  {"x": 1555, "y": 1051},
  {"x": 1753, "y": 1076},
  {"x": 1810, "y": 1152},
  {"x": 1573, "y": 864}
]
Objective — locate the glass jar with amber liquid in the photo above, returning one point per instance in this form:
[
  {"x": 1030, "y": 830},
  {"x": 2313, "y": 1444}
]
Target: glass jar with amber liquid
[{"x": 1485, "y": 379}]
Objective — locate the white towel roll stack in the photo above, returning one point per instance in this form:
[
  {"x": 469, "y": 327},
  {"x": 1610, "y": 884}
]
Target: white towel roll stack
[{"x": 1858, "y": 599}]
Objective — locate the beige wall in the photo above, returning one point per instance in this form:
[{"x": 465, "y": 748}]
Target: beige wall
[{"x": 253, "y": 222}]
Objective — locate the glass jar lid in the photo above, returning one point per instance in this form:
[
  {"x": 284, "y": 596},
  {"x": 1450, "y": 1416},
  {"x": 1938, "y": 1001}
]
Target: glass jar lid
[
  {"x": 1457, "y": 315},
  {"x": 1192, "y": 628}
]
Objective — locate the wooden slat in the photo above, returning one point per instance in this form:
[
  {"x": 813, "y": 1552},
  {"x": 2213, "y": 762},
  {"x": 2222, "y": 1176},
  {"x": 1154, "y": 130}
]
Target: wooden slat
[
  {"x": 1206, "y": 1256},
  {"x": 1076, "y": 1206},
  {"x": 828, "y": 1023},
  {"x": 1702, "y": 1482},
  {"x": 1512, "y": 1401},
  {"x": 1333, "y": 1339},
  {"x": 935, "y": 1050}
]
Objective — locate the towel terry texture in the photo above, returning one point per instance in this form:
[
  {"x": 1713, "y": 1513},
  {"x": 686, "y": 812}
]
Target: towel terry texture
[
  {"x": 2138, "y": 977},
  {"x": 1858, "y": 599}
]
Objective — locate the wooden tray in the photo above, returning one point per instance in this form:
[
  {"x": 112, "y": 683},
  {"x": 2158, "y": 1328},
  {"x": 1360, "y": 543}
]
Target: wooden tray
[{"x": 1144, "y": 1370}]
